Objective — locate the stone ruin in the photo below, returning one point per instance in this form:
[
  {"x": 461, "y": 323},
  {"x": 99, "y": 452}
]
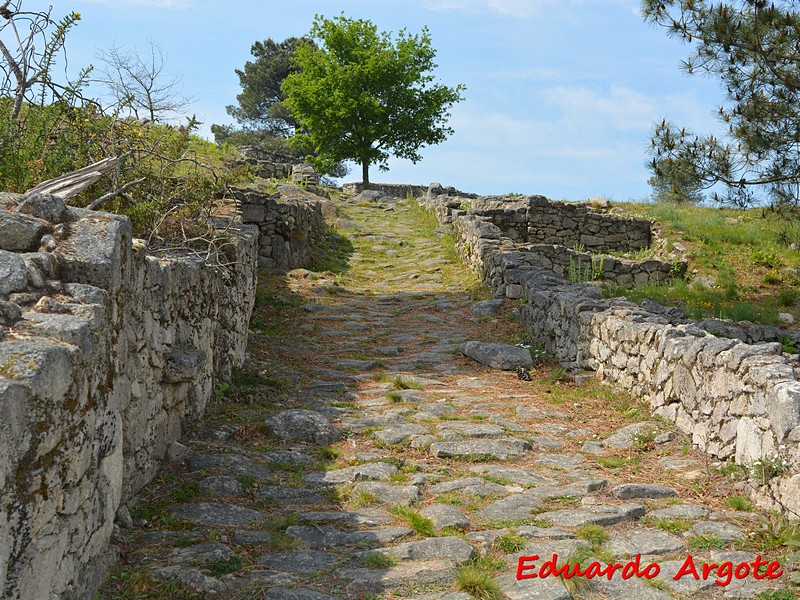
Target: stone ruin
[{"x": 729, "y": 386}]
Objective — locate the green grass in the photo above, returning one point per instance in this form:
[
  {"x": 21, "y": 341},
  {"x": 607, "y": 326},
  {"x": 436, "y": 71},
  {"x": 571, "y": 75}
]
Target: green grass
[
  {"x": 419, "y": 523},
  {"x": 509, "y": 543},
  {"x": 705, "y": 541},
  {"x": 676, "y": 526},
  {"x": 379, "y": 560},
  {"x": 594, "y": 534},
  {"x": 478, "y": 582},
  {"x": 737, "y": 502}
]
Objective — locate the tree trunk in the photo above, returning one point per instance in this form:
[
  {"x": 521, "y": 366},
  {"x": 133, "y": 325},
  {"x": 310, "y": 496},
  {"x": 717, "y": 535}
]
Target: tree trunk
[{"x": 365, "y": 172}]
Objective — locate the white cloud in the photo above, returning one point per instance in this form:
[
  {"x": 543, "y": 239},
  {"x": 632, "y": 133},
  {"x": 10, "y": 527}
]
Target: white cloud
[
  {"x": 509, "y": 8},
  {"x": 619, "y": 107}
]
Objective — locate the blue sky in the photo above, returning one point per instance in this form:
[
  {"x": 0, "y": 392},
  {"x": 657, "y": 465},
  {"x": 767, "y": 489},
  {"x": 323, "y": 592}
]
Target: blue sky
[{"x": 561, "y": 94}]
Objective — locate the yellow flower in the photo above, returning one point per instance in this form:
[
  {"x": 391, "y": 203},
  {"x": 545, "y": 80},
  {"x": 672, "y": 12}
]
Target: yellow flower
[{"x": 76, "y": 15}]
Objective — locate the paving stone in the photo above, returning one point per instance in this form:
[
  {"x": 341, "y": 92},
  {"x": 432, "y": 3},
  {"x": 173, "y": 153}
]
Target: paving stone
[
  {"x": 624, "y": 437},
  {"x": 449, "y": 548},
  {"x": 680, "y": 511},
  {"x": 389, "y": 494},
  {"x": 545, "y": 442},
  {"x": 498, "y": 356},
  {"x": 546, "y": 491},
  {"x": 445, "y": 515},
  {"x": 300, "y": 425},
  {"x": 529, "y": 412},
  {"x": 486, "y": 308},
  {"x": 472, "y": 383},
  {"x": 561, "y": 461},
  {"x": 208, "y": 552},
  {"x": 509, "y": 425},
  {"x": 193, "y": 579},
  {"x": 624, "y": 589},
  {"x": 444, "y": 596},
  {"x": 397, "y": 434},
  {"x": 644, "y": 541},
  {"x": 288, "y": 495},
  {"x": 474, "y": 486},
  {"x": 498, "y": 449},
  {"x": 550, "y": 588},
  {"x": 255, "y": 537},
  {"x": 377, "y": 471},
  {"x": 231, "y": 464},
  {"x": 359, "y": 424},
  {"x": 211, "y": 513},
  {"x": 221, "y": 486},
  {"x": 686, "y": 584},
  {"x": 295, "y": 594},
  {"x": 358, "y": 365},
  {"x": 599, "y": 514},
  {"x": 727, "y": 532},
  {"x": 513, "y": 508},
  {"x": 519, "y": 476},
  {"x": 370, "y": 517},
  {"x": 552, "y": 533},
  {"x": 326, "y": 536},
  {"x": 472, "y": 430},
  {"x": 299, "y": 561},
  {"x": 375, "y": 581},
  {"x": 626, "y": 491},
  {"x": 593, "y": 448}
]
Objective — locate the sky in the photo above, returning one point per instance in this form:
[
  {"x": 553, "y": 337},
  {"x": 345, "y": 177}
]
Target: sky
[{"x": 561, "y": 95}]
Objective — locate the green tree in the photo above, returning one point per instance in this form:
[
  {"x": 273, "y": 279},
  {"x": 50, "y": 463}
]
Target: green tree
[
  {"x": 261, "y": 105},
  {"x": 361, "y": 96},
  {"x": 753, "y": 48}
]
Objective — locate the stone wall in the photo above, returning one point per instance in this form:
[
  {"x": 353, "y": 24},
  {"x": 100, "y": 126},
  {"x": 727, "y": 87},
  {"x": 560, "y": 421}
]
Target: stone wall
[
  {"x": 106, "y": 353},
  {"x": 394, "y": 190},
  {"x": 501, "y": 261},
  {"x": 291, "y": 224},
  {"x": 739, "y": 401}
]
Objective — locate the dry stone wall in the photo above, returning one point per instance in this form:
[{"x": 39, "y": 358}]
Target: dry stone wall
[
  {"x": 106, "y": 353},
  {"x": 290, "y": 223},
  {"x": 735, "y": 393}
]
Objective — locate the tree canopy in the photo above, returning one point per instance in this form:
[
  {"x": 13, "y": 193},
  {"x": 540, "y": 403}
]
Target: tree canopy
[
  {"x": 261, "y": 104},
  {"x": 360, "y": 95},
  {"x": 753, "y": 48}
]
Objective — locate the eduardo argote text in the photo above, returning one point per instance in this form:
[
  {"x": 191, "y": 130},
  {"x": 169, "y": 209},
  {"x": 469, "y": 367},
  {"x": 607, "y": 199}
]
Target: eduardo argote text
[{"x": 528, "y": 567}]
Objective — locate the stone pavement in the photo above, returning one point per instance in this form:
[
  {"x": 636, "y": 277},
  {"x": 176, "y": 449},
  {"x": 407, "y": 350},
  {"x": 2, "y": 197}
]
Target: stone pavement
[{"x": 360, "y": 455}]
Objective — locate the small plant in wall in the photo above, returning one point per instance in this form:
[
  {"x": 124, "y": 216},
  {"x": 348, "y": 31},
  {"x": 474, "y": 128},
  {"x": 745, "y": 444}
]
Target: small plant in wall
[{"x": 768, "y": 466}]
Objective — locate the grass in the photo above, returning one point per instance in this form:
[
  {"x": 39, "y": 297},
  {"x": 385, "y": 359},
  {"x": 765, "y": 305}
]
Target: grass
[
  {"x": 509, "y": 543},
  {"x": 737, "y": 502},
  {"x": 594, "y": 534},
  {"x": 380, "y": 560},
  {"x": 419, "y": 523},
  {"x": 748, "y": 256},
  {"x": 705, "y": 541},
  {"x": 677, "y": 526},
  {"x": 478, "y": 582}
]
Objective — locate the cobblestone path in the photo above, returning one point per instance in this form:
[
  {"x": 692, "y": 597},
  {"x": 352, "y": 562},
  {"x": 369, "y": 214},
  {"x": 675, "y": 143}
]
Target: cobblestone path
[{"x": 359, "y": 455}]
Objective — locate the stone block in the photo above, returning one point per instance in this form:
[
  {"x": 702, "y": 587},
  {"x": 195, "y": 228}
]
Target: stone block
[{"x": 21, "y": 233}]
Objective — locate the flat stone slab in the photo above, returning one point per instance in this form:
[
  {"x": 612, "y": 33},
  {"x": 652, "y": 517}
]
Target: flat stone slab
[
  {"x": 547, "y": 533},
  {"x": 498, "y": 356},
  {"x": 213, "y": 513},
  {"x": 445, "y": 515},
  {"x": 296, "y": 594},
  {"x": 377, "y": 471},
  {"x": 475, "y": 486},
  {"x": 680, "y": 511},
  {"x": 472, "y": 430},
  {"x": 389, "y": 494},
  {"x": 300, "y": 425},
  {"x": 624, "y": 437},
  {"x": 231, "y": 464},
  {"x": 561, "y": 461},
  {"x": 419, "y": 572},
  {"x": 500, "y": 449},
  {"x": 287, "y": 495},
  {"x": 545, "y": 442},
  {"x": 644, "y": 541},
  {"x": 513, "y": 508},
  {"x": 727, "y": 532},
  {"x": 519, "y": 476},
  {"x": 451, "y": 548},
  {"x": 369, "y": 517},
  {"x": 626, "y": 491},
  {"x": 598, "y": 514},
  {"x": 194, "y": 579},
  {"x": 687, "y": 584},
  {"x": 397, "y": 434},
  {"x": 327, "y": 536},
  {"x": 207, "y": 552},
  {"x": 299, "y": 561},
  {"x": 550, "y": 588},
  {"x": 625, "y": 589}
]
